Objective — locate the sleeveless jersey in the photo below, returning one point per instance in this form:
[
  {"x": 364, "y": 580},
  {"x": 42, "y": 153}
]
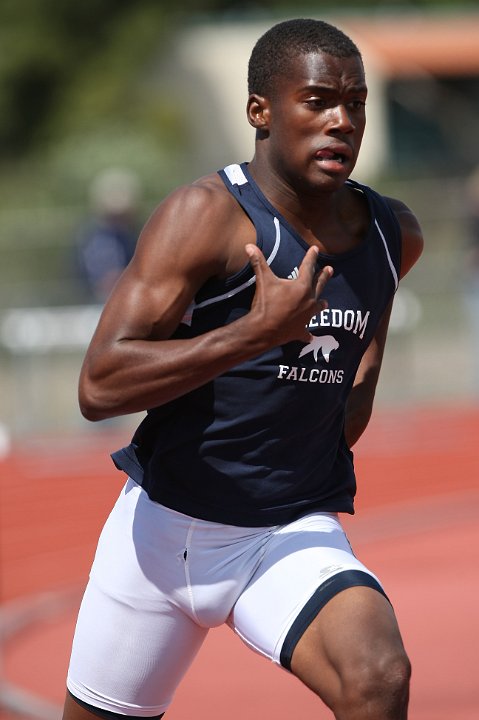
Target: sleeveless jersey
[{"x": 263, "y": 443}]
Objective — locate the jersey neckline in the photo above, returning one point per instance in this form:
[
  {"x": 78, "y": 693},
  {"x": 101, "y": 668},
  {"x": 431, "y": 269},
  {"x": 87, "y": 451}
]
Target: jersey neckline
[{"x": 298, "y": 237}]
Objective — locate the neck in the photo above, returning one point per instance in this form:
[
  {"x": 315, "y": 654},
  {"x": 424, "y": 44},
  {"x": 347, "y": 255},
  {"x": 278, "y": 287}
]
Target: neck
[
  {"x": 334, "y": 220},
  {"x": 308, "y": 205}
]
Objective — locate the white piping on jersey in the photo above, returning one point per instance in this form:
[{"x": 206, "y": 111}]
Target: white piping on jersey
[
  {"x": 235, "y": 175},
  {"x": 391, "y": 264},
  {"x": 231, "y": 293}
]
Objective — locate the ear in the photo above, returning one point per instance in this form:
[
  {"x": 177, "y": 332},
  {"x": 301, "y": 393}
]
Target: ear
[{"x": 258, "y": 111}]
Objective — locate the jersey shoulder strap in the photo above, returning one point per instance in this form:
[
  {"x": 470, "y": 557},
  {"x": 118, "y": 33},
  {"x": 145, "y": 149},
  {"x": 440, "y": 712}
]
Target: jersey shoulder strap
[
  {"x": 386, "y": 225},
  {"x": 255, "y": 205}
]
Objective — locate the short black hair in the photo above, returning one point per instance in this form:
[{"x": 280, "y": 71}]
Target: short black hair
[{"x": 286, "y": 41}]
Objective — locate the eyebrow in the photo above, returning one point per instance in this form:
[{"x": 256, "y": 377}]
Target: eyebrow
[{"x": 317, "y": 87}]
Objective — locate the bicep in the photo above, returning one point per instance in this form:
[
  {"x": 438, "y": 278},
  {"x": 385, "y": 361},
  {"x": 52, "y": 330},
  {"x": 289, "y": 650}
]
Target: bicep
[
  {"x": 173, "y": 259},
  {"x": 412, "y": 239},
  {"x": 142, "y": 307}
]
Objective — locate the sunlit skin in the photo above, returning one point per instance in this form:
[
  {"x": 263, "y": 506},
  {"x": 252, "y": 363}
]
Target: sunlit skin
[
  {"x": 321, "y": 106},
  {"x": 309, "y": 137}
]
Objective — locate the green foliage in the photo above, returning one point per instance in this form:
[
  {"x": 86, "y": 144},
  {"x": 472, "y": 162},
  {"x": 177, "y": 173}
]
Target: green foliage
[
  {"x": 43, "y": 45},
  {"x": 84, "y": 85},
  {"x": 68, "y": 66},
  {"x": 77, "y": 91}
]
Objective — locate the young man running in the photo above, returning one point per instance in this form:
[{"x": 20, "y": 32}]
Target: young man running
[{"x": 250, "y": 325}]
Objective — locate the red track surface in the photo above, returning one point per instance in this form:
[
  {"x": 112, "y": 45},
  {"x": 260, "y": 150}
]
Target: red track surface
[{"x": 416, "y": 526}]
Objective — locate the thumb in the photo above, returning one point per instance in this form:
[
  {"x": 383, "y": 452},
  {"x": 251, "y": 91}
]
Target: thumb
[
  {"x": 253, "y": 252},
  {"x": 257, "y": 260}
]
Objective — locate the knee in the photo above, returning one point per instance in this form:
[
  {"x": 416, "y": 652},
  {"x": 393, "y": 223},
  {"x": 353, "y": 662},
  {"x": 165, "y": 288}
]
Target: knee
[{"x": 380, "y": 683}]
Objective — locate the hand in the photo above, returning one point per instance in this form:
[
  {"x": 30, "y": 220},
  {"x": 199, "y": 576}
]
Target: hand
[{"x": 285, "y": 307}]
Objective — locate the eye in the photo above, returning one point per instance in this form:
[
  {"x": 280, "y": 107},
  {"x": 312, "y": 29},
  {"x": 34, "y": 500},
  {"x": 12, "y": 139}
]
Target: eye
[
  {"x": 316, "y": 103},
  {"x": 357, "y": 104}
]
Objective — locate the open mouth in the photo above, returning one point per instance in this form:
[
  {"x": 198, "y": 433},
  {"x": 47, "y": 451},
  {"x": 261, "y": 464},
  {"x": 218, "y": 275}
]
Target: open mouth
[{"x": 330, "y": 156}]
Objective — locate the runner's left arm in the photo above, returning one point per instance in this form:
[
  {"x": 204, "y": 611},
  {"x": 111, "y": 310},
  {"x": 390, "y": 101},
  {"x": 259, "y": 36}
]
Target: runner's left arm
[{"x": 360, "y": 402}]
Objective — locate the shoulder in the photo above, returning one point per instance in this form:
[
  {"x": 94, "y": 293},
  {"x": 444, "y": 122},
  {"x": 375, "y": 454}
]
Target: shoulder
[
  {"x": 411, "y": 233},
  {"x": 201, "y": 207},
  {"x": 203, "y": 199},
  {"x": 197, "y": 224}
]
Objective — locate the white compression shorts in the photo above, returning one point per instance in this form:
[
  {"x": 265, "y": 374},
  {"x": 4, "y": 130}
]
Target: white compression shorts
[{"x": 161, "y": 579}]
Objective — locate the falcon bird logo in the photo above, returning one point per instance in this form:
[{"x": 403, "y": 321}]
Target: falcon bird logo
[{"x": 325, "y": 343}]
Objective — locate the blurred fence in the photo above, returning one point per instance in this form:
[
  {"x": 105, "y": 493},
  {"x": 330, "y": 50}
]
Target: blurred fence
[{"x": 45, "y": 327}]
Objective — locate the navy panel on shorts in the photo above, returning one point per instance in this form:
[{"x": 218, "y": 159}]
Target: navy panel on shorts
[{"x": 325, "y": 592}]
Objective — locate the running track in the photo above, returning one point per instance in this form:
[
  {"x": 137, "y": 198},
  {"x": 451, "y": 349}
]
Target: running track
[{"x": 417, "y": 526}]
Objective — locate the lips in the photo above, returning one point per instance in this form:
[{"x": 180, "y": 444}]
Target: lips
[{"x": 339, "y": 154}]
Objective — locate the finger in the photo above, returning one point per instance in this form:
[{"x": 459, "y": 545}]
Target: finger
[
  {"x": 252, "y": 251},
  {"x": 324, "y": 276},
  {"x": 307, "y": 269},
  {"x": 257, "y": 261}
]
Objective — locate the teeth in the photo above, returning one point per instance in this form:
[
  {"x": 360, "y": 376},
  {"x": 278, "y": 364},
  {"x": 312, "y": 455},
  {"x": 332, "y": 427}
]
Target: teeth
[{"x": 333, "y": 156}]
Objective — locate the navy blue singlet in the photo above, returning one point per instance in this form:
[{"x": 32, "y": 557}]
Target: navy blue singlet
[{"x": 263, "y": 443}]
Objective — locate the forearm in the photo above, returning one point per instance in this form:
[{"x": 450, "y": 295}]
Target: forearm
[
  {"x": 132, "y": 366},
  {"x": 358, "y": 413},
  {"x": 135, "y": 375}
]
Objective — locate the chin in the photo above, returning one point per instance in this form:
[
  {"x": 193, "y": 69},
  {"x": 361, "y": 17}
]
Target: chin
[{"x": 324, "y": 184}]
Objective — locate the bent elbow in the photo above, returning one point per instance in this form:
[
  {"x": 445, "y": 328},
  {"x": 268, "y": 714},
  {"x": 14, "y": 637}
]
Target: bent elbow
[
  {"x": 92, "y": 405},
  {"x": 91, "y": 413}
]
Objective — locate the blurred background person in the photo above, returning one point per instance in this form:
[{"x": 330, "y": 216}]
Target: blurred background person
[{"x": 105, "y": 243}]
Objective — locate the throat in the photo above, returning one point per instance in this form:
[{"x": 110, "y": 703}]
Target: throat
[
  {"x": 331, "y": 236},
  {"x": 334, "y": 243},
  {"x": 335, "y": 229}
]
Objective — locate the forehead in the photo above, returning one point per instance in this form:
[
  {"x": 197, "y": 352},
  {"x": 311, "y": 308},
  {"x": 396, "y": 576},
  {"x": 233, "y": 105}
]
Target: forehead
[{"x": 323, "y": 70}]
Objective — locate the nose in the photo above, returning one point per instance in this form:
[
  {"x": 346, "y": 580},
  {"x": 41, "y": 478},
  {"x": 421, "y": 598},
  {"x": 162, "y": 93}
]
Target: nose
[{"x": 340, "y": 120}]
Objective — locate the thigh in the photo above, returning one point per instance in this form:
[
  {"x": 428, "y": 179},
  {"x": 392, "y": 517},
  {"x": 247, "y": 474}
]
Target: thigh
[
  {"x": 135, "y": 637},
  {"x": 353, "y": 643},
  {"x": 305, "y": 564},
  {"x": 130, "y": 661}
]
